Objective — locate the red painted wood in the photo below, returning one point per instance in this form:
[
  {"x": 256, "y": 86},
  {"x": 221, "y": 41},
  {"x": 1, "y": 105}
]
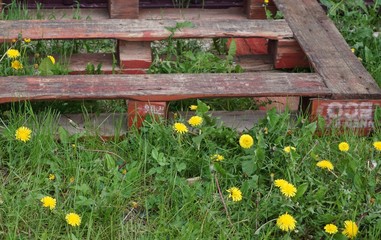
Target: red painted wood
[
  {"x": 141, "y": 30},
  {"x": 356, "y": 114},
  {"x": 138, "y": 111},
  {"x": 161, "y": 87},
  {"x": 250, "y": 46}
]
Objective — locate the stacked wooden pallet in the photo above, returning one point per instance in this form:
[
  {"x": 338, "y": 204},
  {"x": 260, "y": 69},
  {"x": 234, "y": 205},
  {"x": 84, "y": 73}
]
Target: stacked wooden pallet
[{"x": 340, "y": 89}]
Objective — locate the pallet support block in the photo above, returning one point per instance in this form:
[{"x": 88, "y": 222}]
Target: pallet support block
[
  {"x": 250, "y": 46},
  {"x": 255, "y": 9},
  {"x": 126, "y": 9},
  {"x": 355, "y": 114},
  {"x": 134, "y": 57},
  {"x": 138, "y": 112},
  {"x": 287, "y": 53}
]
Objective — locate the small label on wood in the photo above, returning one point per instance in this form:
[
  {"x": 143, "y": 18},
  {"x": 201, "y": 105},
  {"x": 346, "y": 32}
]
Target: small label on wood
[
  {"x": 137, "y": 111},
  {"x": 353, "y": 114}
]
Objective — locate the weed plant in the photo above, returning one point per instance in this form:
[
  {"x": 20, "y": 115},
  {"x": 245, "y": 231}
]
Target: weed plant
[{"x": 172, "y": 181}]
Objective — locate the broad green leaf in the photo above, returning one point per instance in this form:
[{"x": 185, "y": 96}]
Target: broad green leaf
[
  {"x": 301, "y": 190},
  {"x": 248, "y": 167},
  {"x": 46, "y": 67}
]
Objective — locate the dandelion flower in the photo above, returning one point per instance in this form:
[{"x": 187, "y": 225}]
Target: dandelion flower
[
  {"x": 266, "y": 1},
  {"x": 288, "y": 149},
  {"x": 27, "y": 40},
  {"x": 280, "y": 182},
  {"x": 377, "y": 145},
  {"x": 73, "y": 219},
  {"x": 17, "y": 65},
  {"x": 51, "y": 59},
  {"x": 330, "y": 228},
  {"x": 286, "y": 222},
  {"x": 288, "y": 190},
  {"x": 217, "y": 157},
  {"x": 51, "y": 177},
  {"x": 325, "y": 164},
  {"x": 195, "y": 121},
  {"x": 72, "y": 179},
  {"x": 246, "y": 141},
  {"x": 235, "y": 194},
  {"x": 48, "y": 202},
  {"x": 193, "y": 107},
  {"x": 13, "y": 53},
  {"x": 180, "y": 128},
  {"x": 344, "y": 146},
  {"x": 350, "y": 229},
  {"x": 23, "y": 134},
  {"x": 353, "y": 50}
]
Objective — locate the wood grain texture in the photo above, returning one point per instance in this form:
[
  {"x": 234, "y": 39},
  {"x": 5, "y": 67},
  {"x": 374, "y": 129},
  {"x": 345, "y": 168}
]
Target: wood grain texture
[
  {"x": 160, "y": 87},
  {"x": 141, "y": 30},
  {"x": 123, "y": 9},
  {"x": 327, "y": 50}
]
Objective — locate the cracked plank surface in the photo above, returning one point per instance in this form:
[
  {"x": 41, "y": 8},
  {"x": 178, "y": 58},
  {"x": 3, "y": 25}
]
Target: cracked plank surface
[{"x": 141, "y": 30}]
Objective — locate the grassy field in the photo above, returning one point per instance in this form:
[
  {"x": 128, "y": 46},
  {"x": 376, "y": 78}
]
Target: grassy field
[
  {"x": 171, "y": 181},
  {"x": 191, "y": 178}
]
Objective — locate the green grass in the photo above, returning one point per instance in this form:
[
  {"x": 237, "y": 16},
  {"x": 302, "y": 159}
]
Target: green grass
[{"x": 151, "y": 167}]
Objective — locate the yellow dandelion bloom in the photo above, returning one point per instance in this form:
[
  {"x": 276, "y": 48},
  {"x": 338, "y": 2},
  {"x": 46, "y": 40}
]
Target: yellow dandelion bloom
[
  {"x": 72, "y": 179},
  {"x": 124, "y": 171},
  {"x": 330, "y": 228},
  {"x": 288, "y": 149},
  {"x": 17, "y": 65},
  {"x": 180, "y": 128},
  {"x": 217, "y": 157},
  {"x": 51, "y": 177},
  {"x": 266, "y": 1},
  {"x": 350, "y": 229},
  {"x": 344, "y": 147},
  {"x": 73, "y": 219},
  {"x": 353, "y": 50},
  {"x": 246, "y": 141},
  {"x": 48, "y": 202},
  {"x": 23, "y": 134},
  {"x": 195, "y": 121},
  {"x": 193, "y": 107},
  {"x": 235, "y": 194},
  {"x": 51, "y": 59},
  {"x": 288, "y": 190},
  {"x": 286, "y": 222},
  {"x": 377, "y": 145},
  {"x": 27, "y": 40},
  {"x": 325, "y": 164},
  {"x": 280, "y": 182},
  {"x": 13, "y": 53}
]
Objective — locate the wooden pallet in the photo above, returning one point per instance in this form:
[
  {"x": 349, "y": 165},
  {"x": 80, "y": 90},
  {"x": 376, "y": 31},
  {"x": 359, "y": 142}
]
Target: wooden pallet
[{"x": 340, "y": 89}]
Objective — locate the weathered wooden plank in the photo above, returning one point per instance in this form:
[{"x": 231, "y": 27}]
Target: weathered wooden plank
[
  {"x": 161, "y": 87},
  {"x": 123, "y": 9},
  {"x": 327, "y": 50},
  {"x": 141, "y": 30}
]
